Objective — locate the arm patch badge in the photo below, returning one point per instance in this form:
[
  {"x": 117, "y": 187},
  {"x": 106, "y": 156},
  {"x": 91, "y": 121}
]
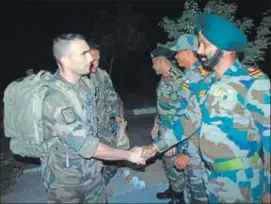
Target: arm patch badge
[{"x": 68, "y": 115}]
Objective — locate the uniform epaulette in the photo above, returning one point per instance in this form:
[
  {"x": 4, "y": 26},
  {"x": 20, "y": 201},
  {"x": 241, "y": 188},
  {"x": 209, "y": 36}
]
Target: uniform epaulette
[
  {"x": 203, "y": 72},
  {"x": 255, "y": 73},
  {"x": 176, "y": 72}
]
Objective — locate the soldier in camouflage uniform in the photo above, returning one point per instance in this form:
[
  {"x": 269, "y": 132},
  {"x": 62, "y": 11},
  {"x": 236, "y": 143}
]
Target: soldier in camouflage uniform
[
  {"x": 71, "y": 169},
  {"x": 186, "y": 47},
  {"x": 166, "y": 99},
  {"x": 235, "y": 117},
  {"x": 109, "y": 111}
]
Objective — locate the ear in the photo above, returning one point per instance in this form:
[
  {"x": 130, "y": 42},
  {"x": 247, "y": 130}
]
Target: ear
[
  {"x": 227, "y": 54},
  {"x": 64, "y": 60}
]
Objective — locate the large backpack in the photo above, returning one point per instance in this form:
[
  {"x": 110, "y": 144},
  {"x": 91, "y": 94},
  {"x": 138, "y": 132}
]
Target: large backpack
[{"x": 23, "y": 104}]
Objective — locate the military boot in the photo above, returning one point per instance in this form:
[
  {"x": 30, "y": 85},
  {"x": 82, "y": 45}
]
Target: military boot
[
  {"x": 177, "y": 198},
  {"x": 167, "y": 194}
]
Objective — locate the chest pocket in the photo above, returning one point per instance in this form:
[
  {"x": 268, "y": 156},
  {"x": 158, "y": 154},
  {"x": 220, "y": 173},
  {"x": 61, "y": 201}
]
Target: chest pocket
[{"x": 226, "y": 102}]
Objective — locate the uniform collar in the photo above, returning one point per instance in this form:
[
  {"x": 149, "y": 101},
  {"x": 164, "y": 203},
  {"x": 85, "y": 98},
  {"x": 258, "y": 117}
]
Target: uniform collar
[
  {"x": 236, "y": 69},
  {"x": 59, "y": 77},
  {"x": 195, "y": 65}
]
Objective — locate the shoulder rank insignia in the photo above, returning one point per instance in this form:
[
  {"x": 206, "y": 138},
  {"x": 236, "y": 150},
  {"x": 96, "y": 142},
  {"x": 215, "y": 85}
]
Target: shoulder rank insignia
[
  {"x": 255, "y": 73},
  {"x": 203, "y": 72}
]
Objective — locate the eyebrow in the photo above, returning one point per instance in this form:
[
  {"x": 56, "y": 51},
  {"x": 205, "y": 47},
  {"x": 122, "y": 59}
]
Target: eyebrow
[{"x": 84, "y": 52}]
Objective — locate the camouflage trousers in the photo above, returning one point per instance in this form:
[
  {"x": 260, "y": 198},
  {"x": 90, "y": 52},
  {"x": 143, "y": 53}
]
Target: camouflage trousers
[
  {"x": 239, "y": 186},
  {"x": 176, "y": 177},
  {"x": 92, "y": 191},
  {"x": 194, "y": 191},
  {"x": 109, "y": 167},
  {"x": 109, "y": 171}
]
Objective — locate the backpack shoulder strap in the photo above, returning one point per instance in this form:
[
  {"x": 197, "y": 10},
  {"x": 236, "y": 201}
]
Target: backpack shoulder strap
[{"x": 59, "y": 86}]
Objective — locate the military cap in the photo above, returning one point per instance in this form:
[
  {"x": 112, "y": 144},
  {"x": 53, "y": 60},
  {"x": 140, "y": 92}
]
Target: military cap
[
  {"x": 186, "y": 42},
  {"x": 162, "y": 52},
  {"x": 221, "y": 32}
]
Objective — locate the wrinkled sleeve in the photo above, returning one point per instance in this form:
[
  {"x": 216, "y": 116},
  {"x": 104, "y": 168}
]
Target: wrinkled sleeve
[
  {"x": 258, "y": 102},
  {"x": 174, "y": 134},
  {"x": 115, "y": 104},
  {"x": 61, "y": 118}
]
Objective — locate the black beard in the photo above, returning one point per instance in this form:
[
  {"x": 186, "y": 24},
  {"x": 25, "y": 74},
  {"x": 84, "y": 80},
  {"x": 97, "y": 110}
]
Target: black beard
[{"x": 209, "y": 64}]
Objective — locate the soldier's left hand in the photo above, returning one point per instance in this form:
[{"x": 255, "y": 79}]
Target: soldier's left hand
[
  {"x": 266, "y": 198},
  {"x": 182, "y": 161}
]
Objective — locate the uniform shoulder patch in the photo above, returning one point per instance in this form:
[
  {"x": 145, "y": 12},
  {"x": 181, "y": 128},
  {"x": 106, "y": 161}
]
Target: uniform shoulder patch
[
  {"x": 176, "y": 72},
  {"x": 255, "y": 73},
  {"x": 68, "y": 115}
]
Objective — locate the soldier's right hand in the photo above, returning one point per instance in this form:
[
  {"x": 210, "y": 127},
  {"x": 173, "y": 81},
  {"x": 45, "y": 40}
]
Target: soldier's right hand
[
  {"x": 154, "y": 132},
  {"x": 149, "y": 151},
  {"x": 135, "y": 156},
  {"x": 170, "y": 152}
]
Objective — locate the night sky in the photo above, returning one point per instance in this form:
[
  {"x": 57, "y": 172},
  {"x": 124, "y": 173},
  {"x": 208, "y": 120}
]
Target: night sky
[{"x": 28, "y": 28}]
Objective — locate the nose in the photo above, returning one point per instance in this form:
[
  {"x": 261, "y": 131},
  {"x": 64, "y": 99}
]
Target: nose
[
  {"x": 176, "y": 56},
  {"x": 200, "y": 49},
  {"x": 89, "y": 57}
]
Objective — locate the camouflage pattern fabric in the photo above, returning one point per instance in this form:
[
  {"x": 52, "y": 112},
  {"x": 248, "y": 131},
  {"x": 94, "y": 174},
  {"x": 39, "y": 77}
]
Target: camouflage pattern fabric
[
  {"x": 185, "y": 124},
  {"x": 176, "y": 177},
  {"x": 109, "y": 171},
  {"x": 90, "y": 192},
  {"x": 190, "y": 109},
  {"x": 167, "y": 99},
  {"x": 235, "y": 125},
  {"x": 109, "y": 105},
  {"x": 185, "y": 121},
  {"x": 194, "y": 172},
  {"x": 69, "y": 163}
]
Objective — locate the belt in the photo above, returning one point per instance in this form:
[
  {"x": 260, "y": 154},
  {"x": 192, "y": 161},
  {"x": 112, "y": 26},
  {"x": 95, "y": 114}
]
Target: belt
[{"x": 233, "y": 164}]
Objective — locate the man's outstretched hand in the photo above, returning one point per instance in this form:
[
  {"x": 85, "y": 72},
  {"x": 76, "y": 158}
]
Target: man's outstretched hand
[
  {"x": 139, "y": 155},
  {"x": 135, "y": 156}
]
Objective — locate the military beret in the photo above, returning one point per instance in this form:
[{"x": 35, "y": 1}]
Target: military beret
[
  {"x": 186, "y": 42},
  {"x": 221, "y": 32},
  {"x": 162, "y": 52}
]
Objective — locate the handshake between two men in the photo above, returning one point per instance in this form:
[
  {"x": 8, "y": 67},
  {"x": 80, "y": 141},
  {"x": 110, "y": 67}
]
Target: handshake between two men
[{"x": 140, "y": 155}]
